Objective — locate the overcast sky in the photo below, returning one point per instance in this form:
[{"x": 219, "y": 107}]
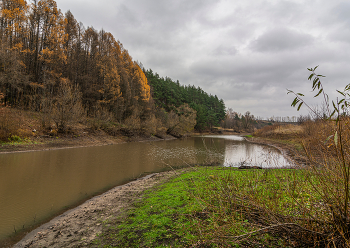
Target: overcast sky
[{"x": 245, "y": 52}]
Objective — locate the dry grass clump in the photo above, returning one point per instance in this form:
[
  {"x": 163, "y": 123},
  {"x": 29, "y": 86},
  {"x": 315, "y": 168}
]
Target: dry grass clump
[
  {"x": 279, "y": 131},
  {"x": 318, "y": 136},
  {"x": 328, "y": 152}
]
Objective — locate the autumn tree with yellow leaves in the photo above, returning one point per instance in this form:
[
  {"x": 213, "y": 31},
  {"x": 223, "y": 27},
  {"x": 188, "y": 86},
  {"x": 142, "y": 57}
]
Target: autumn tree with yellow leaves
[
  {"x": 41, "y": 48},
  {"x": 46, "y": 57}
]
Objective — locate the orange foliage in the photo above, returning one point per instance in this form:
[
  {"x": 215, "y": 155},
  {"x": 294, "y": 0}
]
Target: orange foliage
[{"x": 51, "y": 47}]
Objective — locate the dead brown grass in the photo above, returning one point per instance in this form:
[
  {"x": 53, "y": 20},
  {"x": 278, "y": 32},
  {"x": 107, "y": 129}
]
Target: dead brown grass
[
  {"x": 326, "y": 147},
  {"x": 280, "y": 131}
]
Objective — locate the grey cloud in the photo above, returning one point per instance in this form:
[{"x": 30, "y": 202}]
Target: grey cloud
[
  {"x": 253, "y": 68},
  {"x": 166, "y": 16},
  {"x": 287, "y": 12},
  {"x": 341, "y": 13},
  {"x": 223, "y": 50},
  {"x": 340, "y": 35},
  {"x": 281, "y": 39}
]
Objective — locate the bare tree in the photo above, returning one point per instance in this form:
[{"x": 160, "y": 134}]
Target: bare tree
[
  {"x": 67, "y": 105},
  {"x": 247, "y": 120}
]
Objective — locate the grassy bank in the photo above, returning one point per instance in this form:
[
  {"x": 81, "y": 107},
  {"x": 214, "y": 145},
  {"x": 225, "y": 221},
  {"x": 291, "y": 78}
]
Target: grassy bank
[{"x": 224, "y": 207}]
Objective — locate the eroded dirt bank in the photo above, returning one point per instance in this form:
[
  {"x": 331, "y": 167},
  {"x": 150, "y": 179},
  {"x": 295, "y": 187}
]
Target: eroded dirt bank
[
  {"x": 78, "y": 227},
  {"x": 98, "y": 138}
]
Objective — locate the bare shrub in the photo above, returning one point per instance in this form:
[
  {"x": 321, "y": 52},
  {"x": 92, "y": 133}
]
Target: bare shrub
[
  {"x": 46, "y": 106},
  {"x": 310, "y": 127},
  {"x": 182, "y": 120},
  {"x": 149, "y": 126},
  {"x": 133, "y": 122},
  {"x": 9, "y": 123},
  {"x": 101, "y": 118},
  {"x": 153, "y": 126},
  {"x": 259, "y": 208},
  {"x": 67, "y": 105}
]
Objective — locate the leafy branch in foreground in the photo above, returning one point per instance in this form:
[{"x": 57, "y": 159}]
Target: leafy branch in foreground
[
  {"x": 316, "y": 85},
  {"x": 329, "y": 160}
]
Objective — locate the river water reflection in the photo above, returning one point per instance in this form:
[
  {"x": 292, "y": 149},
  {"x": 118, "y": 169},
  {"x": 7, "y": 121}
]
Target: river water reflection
[{"x": 37, "y": 185}]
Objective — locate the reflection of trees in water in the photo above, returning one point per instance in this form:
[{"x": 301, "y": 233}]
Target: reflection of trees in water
[
  {"x": 271, "y": 157},
  {"x": 189, "y": 151},
  {"x": 199, "y": 150},
  {"x": 210, "y": 151},
  {"x": 242, "y": 153},
  {"x": 249, "y": 150}
]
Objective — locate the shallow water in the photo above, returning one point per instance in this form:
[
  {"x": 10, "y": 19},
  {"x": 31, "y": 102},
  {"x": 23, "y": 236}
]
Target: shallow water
[{"x": 37, "y": 185}]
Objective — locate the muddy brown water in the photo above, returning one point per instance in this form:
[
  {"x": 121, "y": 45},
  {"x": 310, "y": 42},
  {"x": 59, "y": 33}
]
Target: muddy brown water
[{"x": 35, "y": 186}]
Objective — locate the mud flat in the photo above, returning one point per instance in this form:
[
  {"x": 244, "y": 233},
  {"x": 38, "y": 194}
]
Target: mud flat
[{"x": 79, "y": 227}]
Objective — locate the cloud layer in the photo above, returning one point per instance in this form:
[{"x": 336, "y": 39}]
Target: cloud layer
[{"x": 246, "y": 52}]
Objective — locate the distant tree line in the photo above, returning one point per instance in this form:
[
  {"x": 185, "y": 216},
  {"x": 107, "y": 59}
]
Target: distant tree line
[
  {"x": 247, "y": 122},
  {"x": 169, "y": 95},
  {"x": 238, "y": 122}
]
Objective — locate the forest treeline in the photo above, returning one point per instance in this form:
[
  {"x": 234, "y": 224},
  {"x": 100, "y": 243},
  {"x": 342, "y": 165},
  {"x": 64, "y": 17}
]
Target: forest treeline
[
  {"x": 168, "y": 95},
  {"x": 52, "y": 64}
]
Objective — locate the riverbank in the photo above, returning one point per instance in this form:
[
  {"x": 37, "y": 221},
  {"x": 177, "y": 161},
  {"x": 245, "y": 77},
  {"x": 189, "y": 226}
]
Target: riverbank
[
  {"x": 84, "y": 139},
  {"x": 17, "y": 230},
  {"x": 227, "y": 207},
  {"x": 80, "y": 226},
  {"x": 17, "y": 236},
  {"x": 81, "y": 217},
  {"x": 96, "y": 222},
  {"x": 194, "y": 207},
  {"x": 30, "y": 136},
  {"x": 87, "y": 138}
]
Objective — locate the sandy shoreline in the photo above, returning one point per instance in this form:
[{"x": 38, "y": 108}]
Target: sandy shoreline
[{"x": 78, "y": 227}]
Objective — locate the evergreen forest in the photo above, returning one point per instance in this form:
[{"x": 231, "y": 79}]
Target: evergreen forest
[
  {"x": 168, "y": 95},
  {"x": 52, "y": 64}
]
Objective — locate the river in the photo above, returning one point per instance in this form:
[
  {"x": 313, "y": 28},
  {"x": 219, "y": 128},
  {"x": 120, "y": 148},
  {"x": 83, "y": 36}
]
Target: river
[{"x": 35, "y": 186}]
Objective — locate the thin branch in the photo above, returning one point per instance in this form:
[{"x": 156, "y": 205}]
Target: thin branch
[{"x": 301, "y": 100}]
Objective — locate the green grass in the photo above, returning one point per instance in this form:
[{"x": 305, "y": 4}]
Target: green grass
[
  {"x": 160, "y": 219},
  {"x": 210, "y": 206},
  {"x": 15, "y": 140}
]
